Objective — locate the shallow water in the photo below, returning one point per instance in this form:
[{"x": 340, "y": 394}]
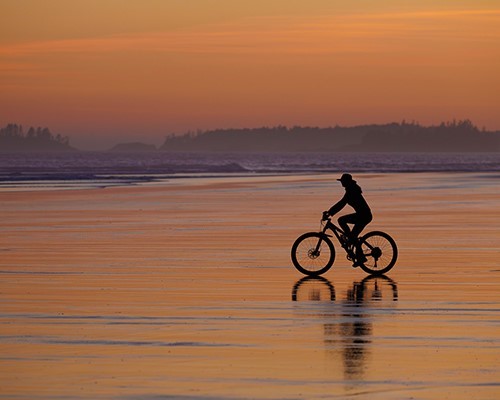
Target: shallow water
[
  {"x": 185, "y": 290},
  {"x": 104, "y": 169}
]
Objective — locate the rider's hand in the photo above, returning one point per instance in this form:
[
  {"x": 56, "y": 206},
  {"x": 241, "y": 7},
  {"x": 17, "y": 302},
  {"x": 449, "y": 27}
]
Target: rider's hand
[{"x": 325, "y": 215}]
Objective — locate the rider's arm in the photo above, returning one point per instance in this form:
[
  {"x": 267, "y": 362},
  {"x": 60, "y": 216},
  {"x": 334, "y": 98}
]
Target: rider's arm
[{"x": 338, "y": 206}]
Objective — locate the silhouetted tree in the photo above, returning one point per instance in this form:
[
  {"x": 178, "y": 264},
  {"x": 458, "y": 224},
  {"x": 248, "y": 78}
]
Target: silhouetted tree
[{"x": 12, "y": 138}]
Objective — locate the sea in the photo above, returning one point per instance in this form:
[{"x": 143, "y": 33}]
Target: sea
[{"x": 102, "y": 169}]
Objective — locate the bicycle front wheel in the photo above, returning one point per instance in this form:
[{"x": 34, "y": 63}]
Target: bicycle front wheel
[
  {"x": 380, "y": 251},
  {"x": 313, "y": 254}
]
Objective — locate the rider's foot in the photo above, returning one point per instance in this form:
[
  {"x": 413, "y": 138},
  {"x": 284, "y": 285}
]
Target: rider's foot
[{"x": 361, "y": 258}]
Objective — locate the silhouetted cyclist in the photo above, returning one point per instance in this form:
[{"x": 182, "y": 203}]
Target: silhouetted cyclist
[{"x": 362, "y": 217}]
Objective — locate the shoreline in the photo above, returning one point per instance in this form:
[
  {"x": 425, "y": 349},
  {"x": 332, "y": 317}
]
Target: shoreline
[
  {"x": 114, "y": 181},
  {"x": 101, "y": 169}
]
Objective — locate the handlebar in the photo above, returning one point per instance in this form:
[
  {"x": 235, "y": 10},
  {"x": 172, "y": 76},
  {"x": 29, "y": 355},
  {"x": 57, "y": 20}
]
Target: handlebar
[{"x": 326, "y": 216}]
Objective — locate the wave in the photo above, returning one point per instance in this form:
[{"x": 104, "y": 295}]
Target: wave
[{"x": 136, "y": 167}]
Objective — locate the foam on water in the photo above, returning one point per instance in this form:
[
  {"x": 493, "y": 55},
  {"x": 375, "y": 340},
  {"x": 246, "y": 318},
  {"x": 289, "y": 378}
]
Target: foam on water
[{"x": 109, "y": 167}]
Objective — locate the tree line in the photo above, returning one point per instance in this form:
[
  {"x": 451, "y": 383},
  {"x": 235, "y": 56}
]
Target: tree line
[
  {"x": 13, "y": 137},
  {"x": 459, "y": 136},
  {"x": 454, "y": 136}
]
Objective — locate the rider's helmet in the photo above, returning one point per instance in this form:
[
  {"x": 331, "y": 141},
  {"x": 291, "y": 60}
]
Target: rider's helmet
[{"x": 345, "y": 178}]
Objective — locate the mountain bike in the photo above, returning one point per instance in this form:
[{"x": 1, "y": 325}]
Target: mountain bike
[{"x": 313, "y": 253}]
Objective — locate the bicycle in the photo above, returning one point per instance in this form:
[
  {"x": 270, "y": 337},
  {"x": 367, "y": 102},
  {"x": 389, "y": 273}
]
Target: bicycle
[{"x": 313, "y": 253}]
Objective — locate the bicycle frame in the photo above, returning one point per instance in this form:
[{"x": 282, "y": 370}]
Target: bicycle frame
[
  {"x": 329, "y": 225},
  {"x": 338, "y": 233},
  {"x": 334, "y": 228}
]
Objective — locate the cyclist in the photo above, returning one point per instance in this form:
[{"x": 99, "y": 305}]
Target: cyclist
[{"x": 362, "y": 217}]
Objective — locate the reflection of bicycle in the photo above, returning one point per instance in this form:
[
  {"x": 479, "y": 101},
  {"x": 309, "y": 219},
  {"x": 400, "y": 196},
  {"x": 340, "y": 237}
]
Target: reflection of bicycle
[
  {"x": 313, "y": 288},
  {"x": 373, "y": 288},
  {"x": 348, "y": 322},
  {"x": 313, "y": 253}
]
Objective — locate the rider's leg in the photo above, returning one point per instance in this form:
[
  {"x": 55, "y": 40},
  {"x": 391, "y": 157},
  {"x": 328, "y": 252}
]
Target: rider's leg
[
  {"x": 360, "y": 222},
  {"x": 356, "y": 230},
  {"x": 347, "y": 219}
]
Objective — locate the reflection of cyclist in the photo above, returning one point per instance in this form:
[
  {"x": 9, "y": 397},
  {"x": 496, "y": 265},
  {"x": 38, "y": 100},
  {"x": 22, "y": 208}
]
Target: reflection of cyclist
[{"x": 363, "y": 215}]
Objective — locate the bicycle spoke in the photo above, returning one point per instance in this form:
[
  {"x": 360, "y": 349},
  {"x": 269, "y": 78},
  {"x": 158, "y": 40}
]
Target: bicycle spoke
[
  {"x": 312, "y": 254},
  {"x": 379, "y": 252}
]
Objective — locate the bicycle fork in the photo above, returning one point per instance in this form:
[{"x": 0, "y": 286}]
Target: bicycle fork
[{"x": 315, "y": 253}]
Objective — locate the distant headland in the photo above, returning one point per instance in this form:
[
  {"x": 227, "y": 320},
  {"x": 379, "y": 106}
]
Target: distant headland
[{"x": 455, "y": 136}]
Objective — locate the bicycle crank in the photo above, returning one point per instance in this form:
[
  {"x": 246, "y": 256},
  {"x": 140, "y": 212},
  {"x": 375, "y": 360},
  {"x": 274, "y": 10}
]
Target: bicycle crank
[{"x": 376, "y": 253}]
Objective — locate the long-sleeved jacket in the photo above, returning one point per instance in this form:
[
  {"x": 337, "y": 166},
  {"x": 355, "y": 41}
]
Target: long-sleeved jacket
[{"x": 353, "y": 197}]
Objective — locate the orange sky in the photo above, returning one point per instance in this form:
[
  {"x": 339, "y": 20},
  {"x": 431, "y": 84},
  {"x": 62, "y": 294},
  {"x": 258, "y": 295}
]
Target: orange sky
[{"x": 103, "y": 71}]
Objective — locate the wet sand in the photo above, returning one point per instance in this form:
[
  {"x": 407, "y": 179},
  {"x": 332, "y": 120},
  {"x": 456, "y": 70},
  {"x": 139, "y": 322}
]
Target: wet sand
[{"x": 185, "y": 289}]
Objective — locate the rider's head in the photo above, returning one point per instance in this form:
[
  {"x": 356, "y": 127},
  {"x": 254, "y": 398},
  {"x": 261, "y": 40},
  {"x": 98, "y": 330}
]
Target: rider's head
[{"x": 346, "y": 179}]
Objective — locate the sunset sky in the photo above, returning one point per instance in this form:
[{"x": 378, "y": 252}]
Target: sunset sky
[{"x": 105, "y": 71}]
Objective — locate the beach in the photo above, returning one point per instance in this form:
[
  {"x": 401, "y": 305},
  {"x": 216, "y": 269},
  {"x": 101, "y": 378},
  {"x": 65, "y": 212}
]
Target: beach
[{"x": 184, "y": 289}]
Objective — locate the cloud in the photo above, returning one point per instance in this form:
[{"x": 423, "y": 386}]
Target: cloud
[{"x": 360, "y": 33}]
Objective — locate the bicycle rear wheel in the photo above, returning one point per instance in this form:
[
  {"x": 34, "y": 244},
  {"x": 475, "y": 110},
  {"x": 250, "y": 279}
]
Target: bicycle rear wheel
[
  {"x": 380, "y": 251},
  {"x": 313, "y": 253}
]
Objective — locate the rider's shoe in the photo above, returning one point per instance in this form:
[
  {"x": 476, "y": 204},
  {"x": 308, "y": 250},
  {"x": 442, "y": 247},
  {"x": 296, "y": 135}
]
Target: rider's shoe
[{"x": 361, "y": 258}]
